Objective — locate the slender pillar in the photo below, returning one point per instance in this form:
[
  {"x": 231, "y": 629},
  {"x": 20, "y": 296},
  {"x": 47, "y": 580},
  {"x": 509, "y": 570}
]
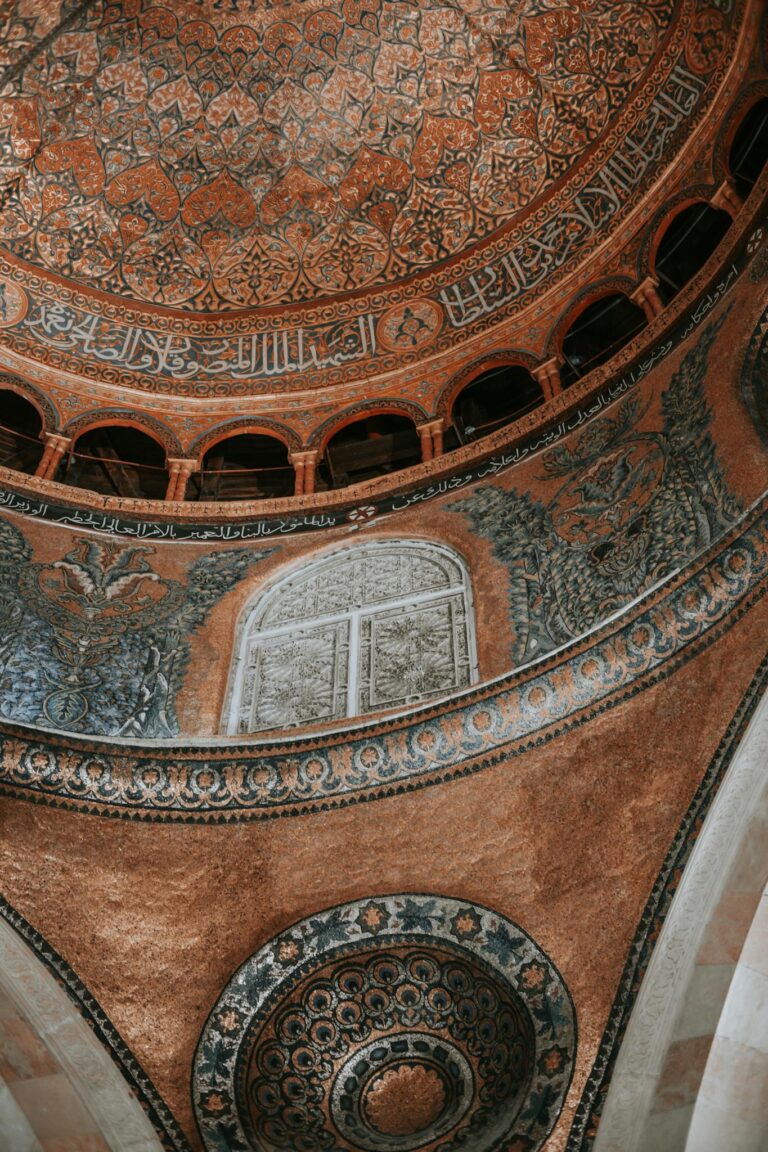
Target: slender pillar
[
  {"x": 55, "y": 447},
  {"x": 305, "y": 464},
  {"x": 646, "y": 296},
  {"x": 728, "y": 199},
  {"x": 174, "y": 466},
  {"x": 431, "y": 439},
  {"x": 186, "y": 468},
  {"x": 425, "y": 433},
  {"x": 548, "y": 376},
  {"x": 179, "y": 472},
  {"x": 297, "y": 460}
]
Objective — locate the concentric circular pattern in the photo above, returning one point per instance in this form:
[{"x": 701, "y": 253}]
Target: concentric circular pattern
[{"x": 388, "y": 1025}]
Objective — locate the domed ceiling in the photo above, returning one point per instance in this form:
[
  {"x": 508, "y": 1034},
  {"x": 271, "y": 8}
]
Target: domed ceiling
[
  {"x": 217, "y": 156},
  {"x": 228, "y": 198}
]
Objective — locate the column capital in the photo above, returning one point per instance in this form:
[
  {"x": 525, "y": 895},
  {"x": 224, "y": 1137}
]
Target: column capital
[
  {"x": 181, "y": 464},
  {"x": 547, "y": 375},
  {"x": 304, "y": 456},
  {"x": 57, "y": 440},
  {"x": 646, "y": 296},
  {"x": 727, "y": 198}
]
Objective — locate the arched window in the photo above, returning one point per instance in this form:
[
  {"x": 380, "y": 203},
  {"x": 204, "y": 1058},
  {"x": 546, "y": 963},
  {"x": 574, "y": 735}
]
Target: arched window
[
  {"x": 20, "y": 429},
  {"x": 749, "y": 150},
  {"x": 493, "y": 399},
  {"x": 687, "y": 243},
  {"x": 368, "y": 448},
  {"x": 598, "y": 333},
  {"x": 118, "y": 461},
  {"x": 381, "y": 625},
  {"x": 244, "y": 467}
]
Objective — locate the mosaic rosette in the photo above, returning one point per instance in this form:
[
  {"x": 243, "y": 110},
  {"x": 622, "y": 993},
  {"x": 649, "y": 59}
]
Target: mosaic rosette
[{"x": 388, "y": 1025}]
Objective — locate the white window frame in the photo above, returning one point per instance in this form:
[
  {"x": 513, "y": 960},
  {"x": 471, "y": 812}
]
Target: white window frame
[{"x": 248, "y": 631}]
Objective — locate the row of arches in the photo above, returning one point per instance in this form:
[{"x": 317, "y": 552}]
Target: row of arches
[{"x": 121, "y": 460}]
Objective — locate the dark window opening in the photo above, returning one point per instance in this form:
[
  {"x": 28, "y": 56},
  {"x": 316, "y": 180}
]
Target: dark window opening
[
  {"x": 118, "y": 461},
  {"x": 246, "y": 467},
  {"x": 20, "y": 428},
  {"x": 369, "y": 448},
  {"x": 749, "y": 151},
  {"x": 493, "y": 399},
  {"x": 687, "y": 244},
  {"x": 598, "y": 333}
]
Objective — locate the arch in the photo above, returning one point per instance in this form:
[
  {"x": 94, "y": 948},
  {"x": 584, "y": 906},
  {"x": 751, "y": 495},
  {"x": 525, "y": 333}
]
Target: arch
[
  {"x": 580, "y": 302},
  {"x": 244, "y": 466},
  {"x": 97, "y": 1079},
  {"x": 741, "y": 107},
  {"x": 595, "y": 327},
  {"x": 679, "y": 1000},
  {"x": 726, "y": 1114},
  {"x": 385, "y": 407},
  {"x": 685, "y": 244},
  {"x": 654, "y": 231},
  {"x": 21, "y": 431},
  {"x": 511, "y": 357},
  {"x": 243, "y": 426},
  {"x": 124, "y": 418},
  {"x": 375, "y": 444},
  {"x": 495, "y": 398},
  {"x": 117, "y": 459},
  {"x": 374, "y": 627},
  {"x": 747, "y": 153},
  {"x": 49, "y": 416}
]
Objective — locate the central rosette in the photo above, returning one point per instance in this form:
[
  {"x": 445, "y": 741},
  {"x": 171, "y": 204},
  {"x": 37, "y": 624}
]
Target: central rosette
[
  {"x": 405, "y": 1100},
  {"x": 393, "y": 1024}
]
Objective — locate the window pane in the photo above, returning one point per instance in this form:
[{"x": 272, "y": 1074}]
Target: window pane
[
  {"x": 410, "y": 654},
  {"x": 296, "y": 678}
]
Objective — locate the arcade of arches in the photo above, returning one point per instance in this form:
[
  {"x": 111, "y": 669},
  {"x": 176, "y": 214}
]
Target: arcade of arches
[{"x": 383, "y": 555}]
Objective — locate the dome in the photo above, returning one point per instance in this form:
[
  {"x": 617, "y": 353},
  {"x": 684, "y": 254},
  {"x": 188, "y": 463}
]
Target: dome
[{"x": 388, "y": 1025}]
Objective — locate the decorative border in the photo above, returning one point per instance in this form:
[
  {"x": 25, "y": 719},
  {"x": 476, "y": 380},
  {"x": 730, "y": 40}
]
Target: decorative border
[
  {"x": 496, "y": 463},
  {"x": 751, "y": 379},
  {"x": 477, "y": 730},
  {"x": 160, "y": 1116},
  {"x": 603, "y": 176},
  {"x": 586, "y": 1121},
  {"x": 409, "y": 918}
]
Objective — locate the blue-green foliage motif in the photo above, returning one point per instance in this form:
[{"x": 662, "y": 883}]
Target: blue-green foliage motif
[
  {"x": 635, "y": 506},
  {"x": 98, "y": 642}
]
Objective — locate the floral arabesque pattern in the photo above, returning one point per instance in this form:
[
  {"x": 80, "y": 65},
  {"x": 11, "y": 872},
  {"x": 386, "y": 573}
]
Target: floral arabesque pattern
[{"x": 174, "y": 155}]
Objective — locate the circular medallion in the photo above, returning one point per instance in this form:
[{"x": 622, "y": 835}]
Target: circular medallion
[
  {"x": 409, "y": 326},
  {"x": 13, "y": 304},
  {"x": 388, "y": 1025}
]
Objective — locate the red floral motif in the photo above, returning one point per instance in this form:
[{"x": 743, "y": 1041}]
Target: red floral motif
[{"x": 352, "y": 145}]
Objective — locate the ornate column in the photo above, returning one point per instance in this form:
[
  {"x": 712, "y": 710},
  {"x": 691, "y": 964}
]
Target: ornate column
[
  {"x": 728, "y": 199},
  {"x": 425, "y": 433},
  {"x": 431, "y": 439},
  {"x": 55, "y": 447},
  {"x": 646, "y": 296},
  {"x": 547, "y": 375},
  {"x": 304, "y": 464},
  {"x": 179, "y": 472}
]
